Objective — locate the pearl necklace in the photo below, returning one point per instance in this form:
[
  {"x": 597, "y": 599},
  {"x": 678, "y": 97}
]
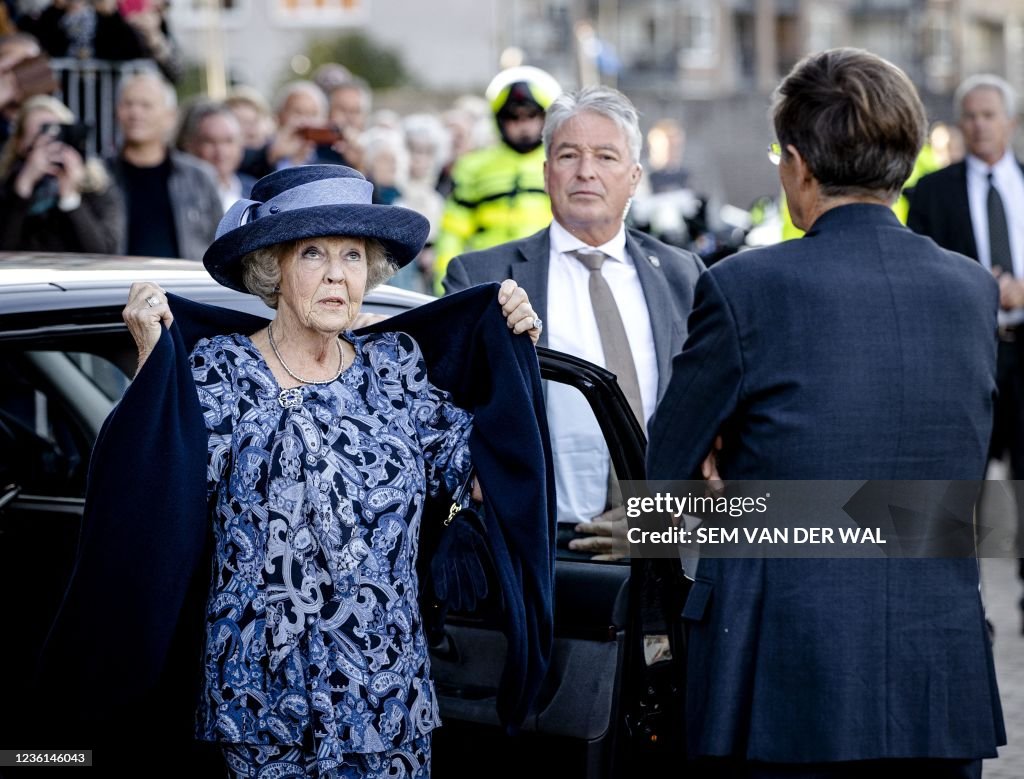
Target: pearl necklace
[{"x": 293, "y": 396}]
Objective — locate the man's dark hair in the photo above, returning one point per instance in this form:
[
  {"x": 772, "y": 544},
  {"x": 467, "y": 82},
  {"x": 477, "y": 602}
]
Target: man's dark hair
[{"x": 855, "y": 118}]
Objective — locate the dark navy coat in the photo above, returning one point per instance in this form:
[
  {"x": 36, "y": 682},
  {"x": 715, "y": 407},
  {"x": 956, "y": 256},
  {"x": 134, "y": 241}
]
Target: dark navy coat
[
  {"x": 121, "y": 662},
  {"x": 862, "y": 351}
]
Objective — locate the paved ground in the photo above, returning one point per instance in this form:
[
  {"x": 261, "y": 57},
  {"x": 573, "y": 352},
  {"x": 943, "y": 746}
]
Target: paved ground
[{"x": 1002, "y": 591}]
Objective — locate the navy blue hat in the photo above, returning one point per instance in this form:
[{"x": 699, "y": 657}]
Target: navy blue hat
[{"x": 310, "y": 201}]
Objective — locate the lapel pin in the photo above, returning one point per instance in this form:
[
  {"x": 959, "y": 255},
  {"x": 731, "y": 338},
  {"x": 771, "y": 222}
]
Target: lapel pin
[{"x": 654, "y": 260}]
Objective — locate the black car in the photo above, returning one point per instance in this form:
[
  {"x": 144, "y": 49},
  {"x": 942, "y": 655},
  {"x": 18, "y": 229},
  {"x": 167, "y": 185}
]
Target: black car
[{"x": 608, "y": 708}]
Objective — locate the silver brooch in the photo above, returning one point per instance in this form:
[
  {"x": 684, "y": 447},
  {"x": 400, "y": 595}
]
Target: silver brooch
[{"x": 290, "y": 398}]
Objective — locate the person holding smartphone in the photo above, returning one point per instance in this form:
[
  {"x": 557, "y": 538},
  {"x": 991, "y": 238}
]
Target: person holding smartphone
[
  {"x": 301, "y": 111},
  {"x": 52, "y": 197}
]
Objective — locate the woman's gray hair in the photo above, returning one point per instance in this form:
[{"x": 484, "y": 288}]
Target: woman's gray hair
[
  {"x": 261, "y": 269},
  {"x": 986, "y": 81},
  {"x": 428, "y": 130},
  {"x": 599, "y": 100}
]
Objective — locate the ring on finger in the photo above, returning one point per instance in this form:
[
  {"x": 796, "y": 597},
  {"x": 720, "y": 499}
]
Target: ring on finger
[{"x": 152, "y": 300}]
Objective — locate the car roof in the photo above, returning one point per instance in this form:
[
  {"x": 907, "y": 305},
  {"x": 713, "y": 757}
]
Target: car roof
[{"x": 40, "y": 281}]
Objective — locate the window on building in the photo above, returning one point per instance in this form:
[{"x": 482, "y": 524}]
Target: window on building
[
  {"x": 201, "y": 13},
  {"x": 939, "y": 61},
  {"x": 696, "y": 23},
  {"x": 334, "y": 13}
]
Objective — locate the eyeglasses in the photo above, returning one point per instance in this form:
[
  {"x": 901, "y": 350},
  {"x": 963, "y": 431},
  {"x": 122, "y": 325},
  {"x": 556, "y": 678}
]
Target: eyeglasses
[{"x": 774, "y": 153}]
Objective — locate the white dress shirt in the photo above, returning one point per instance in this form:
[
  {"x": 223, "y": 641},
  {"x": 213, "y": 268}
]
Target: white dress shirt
[
  {"x": 581, "y": 456},
  {"x": 1009, "y": 181},
  {"x": 229, "y": 193}
]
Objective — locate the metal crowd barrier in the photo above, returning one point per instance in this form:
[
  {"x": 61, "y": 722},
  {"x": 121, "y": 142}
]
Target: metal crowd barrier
[{"x": 89, "y": 89}]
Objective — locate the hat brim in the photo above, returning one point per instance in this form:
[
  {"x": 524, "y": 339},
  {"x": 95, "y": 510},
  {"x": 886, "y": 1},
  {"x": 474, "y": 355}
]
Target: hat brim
[{"x": 402, "y": 231}]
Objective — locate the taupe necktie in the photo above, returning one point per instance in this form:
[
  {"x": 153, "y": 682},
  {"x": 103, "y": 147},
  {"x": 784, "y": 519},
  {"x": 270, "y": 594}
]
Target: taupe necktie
[
  {"x": 618, "y": 357},
  {"x": 998, "y": 230}
]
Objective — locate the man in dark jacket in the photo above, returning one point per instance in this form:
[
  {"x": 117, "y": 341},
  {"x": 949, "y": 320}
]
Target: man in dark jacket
[
  {"x": 976, "y": 207},
  {"x": 172, "y": 202},
  {"x": 861, "y": 351}
]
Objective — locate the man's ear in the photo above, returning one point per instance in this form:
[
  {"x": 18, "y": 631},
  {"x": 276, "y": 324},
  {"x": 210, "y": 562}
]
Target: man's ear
[
  {"x": 799, "y": 163},
  {"x": 635, "y": 175}
]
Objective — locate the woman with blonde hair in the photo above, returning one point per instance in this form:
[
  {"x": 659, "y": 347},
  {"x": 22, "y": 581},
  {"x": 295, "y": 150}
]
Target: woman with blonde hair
[{"x": 51, "y": 196}]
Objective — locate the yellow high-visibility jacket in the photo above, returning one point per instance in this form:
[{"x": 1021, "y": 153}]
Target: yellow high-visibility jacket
[{"x": 498, "y": 197}]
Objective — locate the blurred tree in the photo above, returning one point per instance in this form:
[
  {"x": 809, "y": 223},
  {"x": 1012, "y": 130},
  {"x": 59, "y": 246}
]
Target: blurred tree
[
  {"x": 192, "y": 82},
  {"x": 380, "y": 66}
]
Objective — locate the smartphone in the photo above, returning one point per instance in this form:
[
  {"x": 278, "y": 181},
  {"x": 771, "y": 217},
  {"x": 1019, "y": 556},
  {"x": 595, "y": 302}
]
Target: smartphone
[
  {"x": 34, "y": 76},
  {"x": 74, "y": 135},
  {"x": 322, "y": 136}
]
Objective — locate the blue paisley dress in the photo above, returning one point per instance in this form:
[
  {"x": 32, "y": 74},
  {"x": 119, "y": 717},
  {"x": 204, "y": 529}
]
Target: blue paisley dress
[{"x": 313, "y": 632}]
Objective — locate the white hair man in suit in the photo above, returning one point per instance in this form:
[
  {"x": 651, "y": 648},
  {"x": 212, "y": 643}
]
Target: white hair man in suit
[
  {"x": 976, "y": 207},
  {"x": 613, "y": 296}
]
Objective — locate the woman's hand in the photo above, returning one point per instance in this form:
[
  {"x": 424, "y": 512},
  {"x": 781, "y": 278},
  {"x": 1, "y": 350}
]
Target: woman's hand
[
  {"x": 70, "y": 172},
  {"x": 519, "y": 314},
  {"x": 42, "y": 160},
  {"x": 146, "y": 311},
  {"x": 289, "y": 144}
]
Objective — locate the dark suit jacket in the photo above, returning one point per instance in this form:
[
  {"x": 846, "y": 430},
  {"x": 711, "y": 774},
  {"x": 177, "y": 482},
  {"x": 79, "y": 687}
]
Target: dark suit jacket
[
  {"x": 861, "y": 351},
  {"x": 667, "y": 277},
  {"x": 939, "y": 209}
]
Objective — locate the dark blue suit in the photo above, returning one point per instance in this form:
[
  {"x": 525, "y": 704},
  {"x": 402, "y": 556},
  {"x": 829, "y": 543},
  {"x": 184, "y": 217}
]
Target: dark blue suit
[{"x": 861, "y": 351}]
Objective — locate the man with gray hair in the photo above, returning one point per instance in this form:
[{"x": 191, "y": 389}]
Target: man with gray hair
[
  {"x": 171, "y": 200},
  {"x": 622, "y": 296},
  {"x": 976, "y": 208}
]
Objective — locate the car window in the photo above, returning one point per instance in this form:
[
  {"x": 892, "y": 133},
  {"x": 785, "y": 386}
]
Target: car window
[
  {"x": 51, "y": 408},
  {"x": 585, "y": 483},
  {"x": 107, "y": 377}
]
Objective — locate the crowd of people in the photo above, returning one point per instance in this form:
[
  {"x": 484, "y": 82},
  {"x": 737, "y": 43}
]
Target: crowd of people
[{"x": 184, "y": 165}]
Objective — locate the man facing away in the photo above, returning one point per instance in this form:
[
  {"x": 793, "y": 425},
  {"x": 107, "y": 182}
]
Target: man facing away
[
  {"x": 613, "y": 296},
  {"x": 859, "y": 352},
  {"x": 976, "y": 207}
]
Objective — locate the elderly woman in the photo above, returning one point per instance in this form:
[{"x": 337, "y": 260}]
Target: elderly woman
[
  {"x": 322, "y": 446},
  {"x": 50, "y": 197}
]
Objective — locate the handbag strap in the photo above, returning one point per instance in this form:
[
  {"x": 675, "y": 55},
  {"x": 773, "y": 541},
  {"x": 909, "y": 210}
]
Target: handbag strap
[{"x": 459, "y": 495}]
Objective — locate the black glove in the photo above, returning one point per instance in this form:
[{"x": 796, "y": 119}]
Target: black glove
[{"x": 462, "y": 564}]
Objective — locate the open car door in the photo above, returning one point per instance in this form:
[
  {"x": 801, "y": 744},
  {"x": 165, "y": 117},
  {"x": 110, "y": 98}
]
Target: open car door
[{"x": 611, "y": 705}]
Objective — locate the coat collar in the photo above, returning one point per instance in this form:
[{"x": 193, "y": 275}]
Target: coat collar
[{"x": 854, "y": 215}]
